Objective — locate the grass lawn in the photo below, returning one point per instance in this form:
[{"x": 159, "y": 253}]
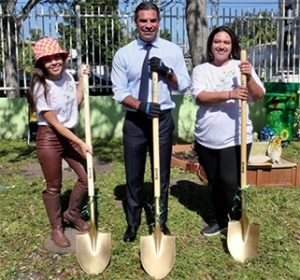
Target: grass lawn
[{"x": 24, "y": 225}]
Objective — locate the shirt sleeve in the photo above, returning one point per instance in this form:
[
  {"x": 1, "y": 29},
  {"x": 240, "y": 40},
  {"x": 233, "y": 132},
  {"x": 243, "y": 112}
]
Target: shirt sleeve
[
  {"x": 198, "y": 78},
  {"x": 119, "y": 78},
  {"x": 180, "y": 70},
  {"x": 257, "y": 80}
]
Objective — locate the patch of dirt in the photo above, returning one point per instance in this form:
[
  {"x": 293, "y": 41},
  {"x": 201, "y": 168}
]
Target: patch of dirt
[
  {"x": 51, "y": 247},
  {"x": 34, "y": 171}
]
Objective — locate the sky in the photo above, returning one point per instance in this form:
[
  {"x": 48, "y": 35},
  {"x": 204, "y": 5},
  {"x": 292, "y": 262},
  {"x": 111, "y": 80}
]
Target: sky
[{"x": 244, "y": 4}]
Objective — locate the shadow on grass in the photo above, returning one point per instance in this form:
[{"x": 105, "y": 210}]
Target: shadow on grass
[
  {"x": 224, "y": 243},
  {"x": 120, "y": 195},
  {"x": 108, "y": 150},
  {"x": 19, "y": 153},
  {"x": 194, "y": 197}
]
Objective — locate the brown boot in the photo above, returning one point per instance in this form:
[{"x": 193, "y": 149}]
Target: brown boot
[
  {"x": 72, "y": 214},
  {"x": 59, "y": 237},
  {"x": 53, "y": 207}
]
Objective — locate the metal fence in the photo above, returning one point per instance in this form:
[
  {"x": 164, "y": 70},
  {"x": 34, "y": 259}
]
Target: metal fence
[{"x": 94, "y": 35}]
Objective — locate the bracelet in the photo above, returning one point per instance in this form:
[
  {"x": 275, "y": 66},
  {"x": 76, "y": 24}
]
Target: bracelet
[{"x": 229, "y": 94}]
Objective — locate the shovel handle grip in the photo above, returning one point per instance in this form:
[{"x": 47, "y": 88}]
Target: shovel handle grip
[
  {"x": 243, "y": 128},
  {"x": 88, "y": 137},
  {"x": 155, "y": 133},
  {"x": 243, "y": 58}
]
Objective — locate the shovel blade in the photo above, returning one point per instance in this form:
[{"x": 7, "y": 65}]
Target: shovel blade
[
  {"x": 158, "y": 260},
  {"x": 242, "y": 245},
  {"x": 93, "y": 251}
]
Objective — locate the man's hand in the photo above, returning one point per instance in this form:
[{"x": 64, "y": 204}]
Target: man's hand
[
  {"x": 157, "y": 65},
  {"x": 151, "y": 109}
]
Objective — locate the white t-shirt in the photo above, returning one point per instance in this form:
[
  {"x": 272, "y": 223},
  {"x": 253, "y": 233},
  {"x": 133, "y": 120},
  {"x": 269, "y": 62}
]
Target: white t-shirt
[
  {"x": 61, "y": 99},
  {"x": 218, "y": 125}
]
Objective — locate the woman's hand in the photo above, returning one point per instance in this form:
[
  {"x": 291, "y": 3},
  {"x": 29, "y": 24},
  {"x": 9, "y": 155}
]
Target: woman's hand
[
  {"x": 85, "y": 69},
  {"x": 246, "y": 68},
  {"x": 239, "y": 93},
  {"x": 85, "y": 149}
]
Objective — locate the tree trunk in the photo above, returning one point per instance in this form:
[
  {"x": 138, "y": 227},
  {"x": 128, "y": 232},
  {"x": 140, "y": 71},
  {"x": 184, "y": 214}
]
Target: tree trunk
[
  {"x": 12, "y": 25},
  {"x": 197, "y": 29},
  {"x": 12, "y": 75},
  {"x": 10, "y": 52}
]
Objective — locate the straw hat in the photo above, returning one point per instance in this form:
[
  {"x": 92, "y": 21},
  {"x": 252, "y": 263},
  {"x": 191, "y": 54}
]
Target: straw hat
[{"x": 47, "y": 47}]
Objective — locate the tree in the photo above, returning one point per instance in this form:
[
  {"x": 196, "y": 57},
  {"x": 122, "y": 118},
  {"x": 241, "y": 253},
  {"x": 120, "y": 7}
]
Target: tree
[
  {"x": 253, "y": 29},
  {"x": 196, "y": 24},
  {"x": 13, "y": 24},
  {"x": 94, "y": 30},
  {"x": 35, "y": 34}
]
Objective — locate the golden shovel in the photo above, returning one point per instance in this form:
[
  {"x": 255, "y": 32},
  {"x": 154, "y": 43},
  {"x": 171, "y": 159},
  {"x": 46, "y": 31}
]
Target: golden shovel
[
  {"x": 243, "y": 236},
  {"x": 157, "y": 250},
  {"x": 93, "y": 248}
]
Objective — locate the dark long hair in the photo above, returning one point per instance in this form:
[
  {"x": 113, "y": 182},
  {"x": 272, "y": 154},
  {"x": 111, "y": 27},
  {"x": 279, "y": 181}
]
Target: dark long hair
[
  {"x": 236, "y": 49},
  {"x": 39, "y": 76},
  {"x": 146, "y": 6}
]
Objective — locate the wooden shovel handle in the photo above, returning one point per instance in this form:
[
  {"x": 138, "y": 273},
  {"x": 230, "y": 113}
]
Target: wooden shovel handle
[
  {"x": 88, "y": 137},
  {"x": 155, "y": 132},
  {"x": 243, "y": 128}
]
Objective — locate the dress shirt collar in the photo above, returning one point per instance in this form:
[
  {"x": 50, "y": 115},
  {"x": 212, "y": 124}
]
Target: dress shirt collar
[{"x": 143, "y": 43}]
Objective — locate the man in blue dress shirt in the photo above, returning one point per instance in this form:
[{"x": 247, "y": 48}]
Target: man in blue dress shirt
[{"x": 132, "y": 88}]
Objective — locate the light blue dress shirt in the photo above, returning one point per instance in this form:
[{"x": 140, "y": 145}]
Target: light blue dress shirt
[{"x": 127, "y": 68}]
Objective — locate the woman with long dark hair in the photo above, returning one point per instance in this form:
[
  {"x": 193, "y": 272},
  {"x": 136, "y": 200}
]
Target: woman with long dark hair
[
  {"x": 54, "y": 96},
  {"x": 216, "y": 87}
]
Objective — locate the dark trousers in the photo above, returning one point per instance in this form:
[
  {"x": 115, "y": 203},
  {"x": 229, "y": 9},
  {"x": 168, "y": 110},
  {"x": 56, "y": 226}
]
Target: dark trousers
[
  {"x": 222, "y": 168},
  {"x": 51, "y": 149},
  {"x": 137, "y": 140}
]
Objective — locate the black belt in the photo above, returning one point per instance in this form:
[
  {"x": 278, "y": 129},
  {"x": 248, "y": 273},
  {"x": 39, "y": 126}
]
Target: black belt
[{"x": 137, "y": 113}]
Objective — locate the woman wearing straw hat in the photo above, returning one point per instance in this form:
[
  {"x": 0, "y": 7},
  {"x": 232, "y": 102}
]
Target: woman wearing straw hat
[{"x": 53, "y": 93}]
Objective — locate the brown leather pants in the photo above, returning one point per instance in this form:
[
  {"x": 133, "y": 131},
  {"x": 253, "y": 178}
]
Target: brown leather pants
[{"x": 51, "y": 149}]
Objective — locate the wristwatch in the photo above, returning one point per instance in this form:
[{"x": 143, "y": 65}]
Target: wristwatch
[{"x": 170, "y": 73}]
